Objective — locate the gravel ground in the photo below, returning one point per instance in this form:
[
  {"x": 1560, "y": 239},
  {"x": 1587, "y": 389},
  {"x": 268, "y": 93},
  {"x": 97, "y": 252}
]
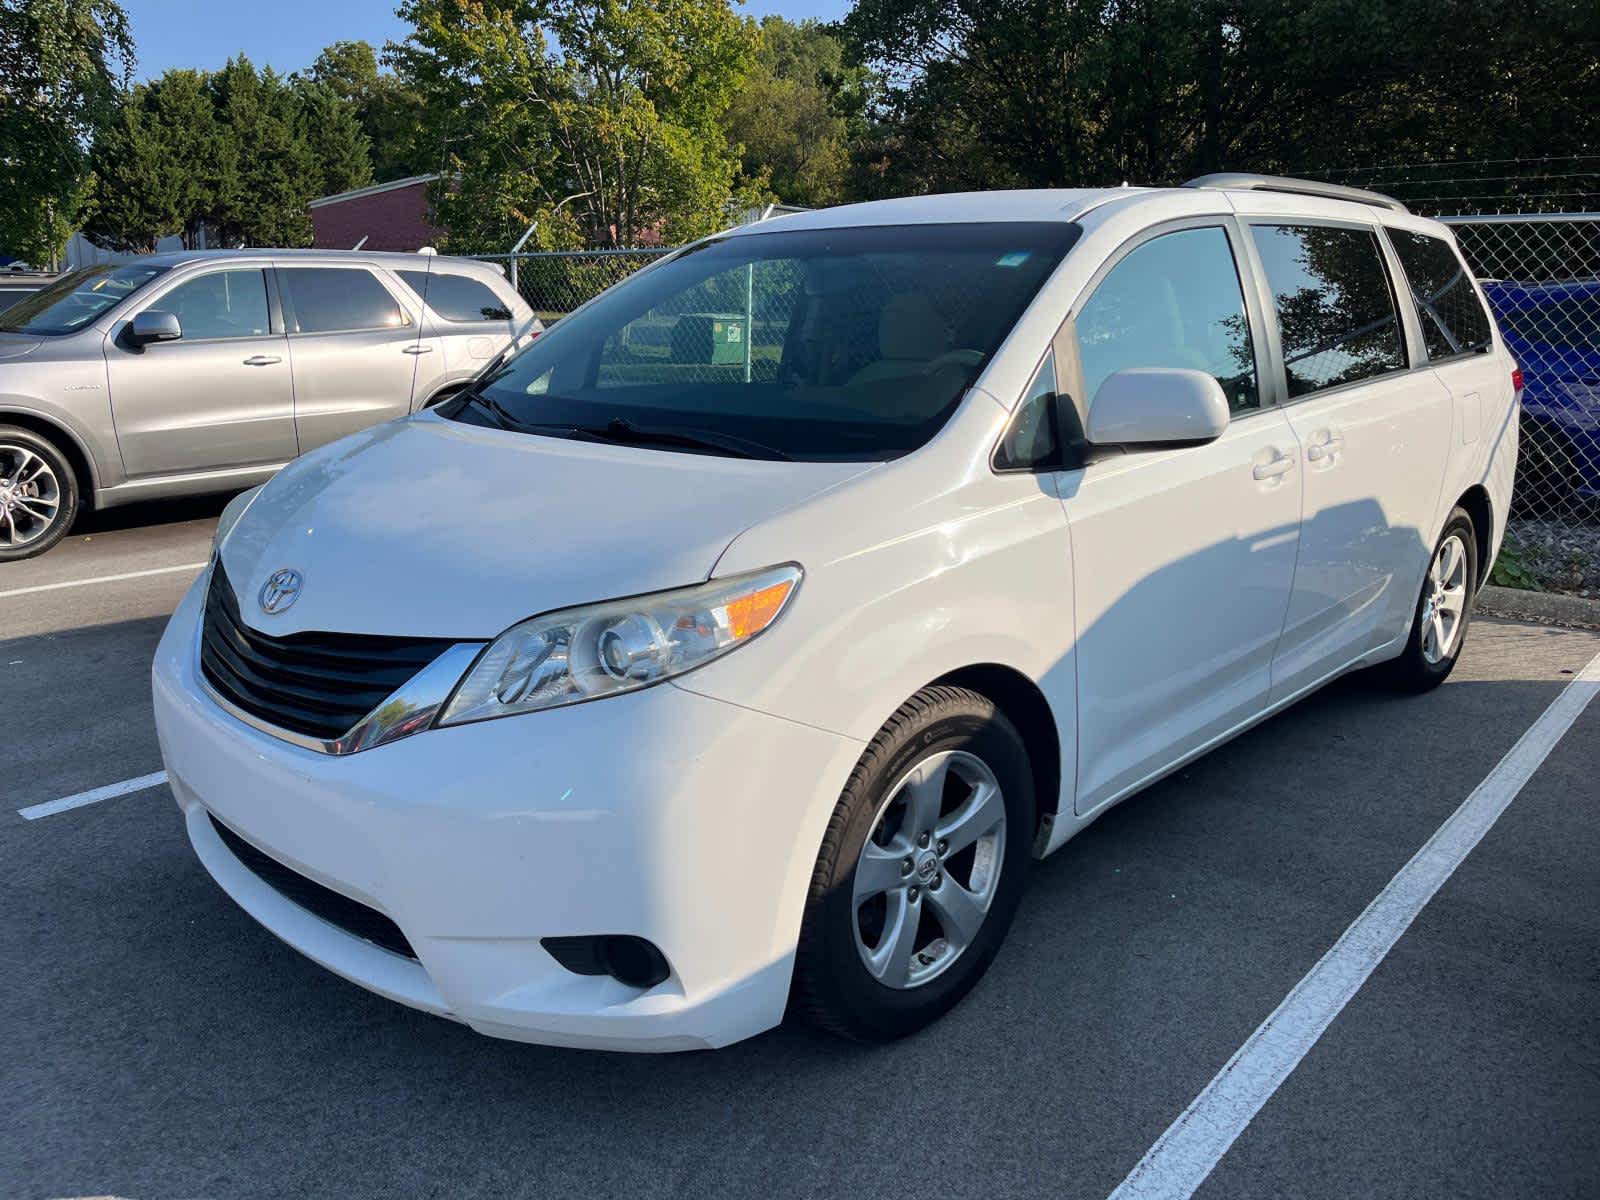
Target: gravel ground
[{"x": 1561, "y": 555}]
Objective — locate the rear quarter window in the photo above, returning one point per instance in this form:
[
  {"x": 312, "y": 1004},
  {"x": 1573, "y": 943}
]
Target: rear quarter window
[
  {"x": 1453, "y": 319},
  {"x": 457, "y": 297}
]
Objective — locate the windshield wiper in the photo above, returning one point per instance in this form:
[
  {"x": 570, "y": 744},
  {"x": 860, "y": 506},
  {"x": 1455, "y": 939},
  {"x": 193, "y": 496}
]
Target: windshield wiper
[{"x": 625, "y": 432}]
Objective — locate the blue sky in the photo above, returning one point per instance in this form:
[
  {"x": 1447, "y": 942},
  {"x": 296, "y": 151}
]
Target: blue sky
[{"x": 288, "y": 34}]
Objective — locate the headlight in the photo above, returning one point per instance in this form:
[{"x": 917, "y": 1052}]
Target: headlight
[
  {"x": 620, "y": 646},
  {"x": 231, "y": 514}
]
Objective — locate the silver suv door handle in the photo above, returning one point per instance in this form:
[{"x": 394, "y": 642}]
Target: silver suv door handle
[
  {"x": 262, "y": 360},
  {"x": 417, "y": 350},
  {"x": 1281, "y": 465},
  {"x": 1326, "y": 448}
]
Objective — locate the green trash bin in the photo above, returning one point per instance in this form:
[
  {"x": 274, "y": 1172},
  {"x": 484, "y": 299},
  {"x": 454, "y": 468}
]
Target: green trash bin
[{"x": 713, "y": 338}]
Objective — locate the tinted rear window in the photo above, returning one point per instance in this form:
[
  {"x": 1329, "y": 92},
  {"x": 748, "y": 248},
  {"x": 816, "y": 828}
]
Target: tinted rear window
[
  {"x": 1335, "y": 310},
  {"x": 456, "y": 297},
  {"x": 331, "y": 299},
  {"x": 1453, "y": 320}
]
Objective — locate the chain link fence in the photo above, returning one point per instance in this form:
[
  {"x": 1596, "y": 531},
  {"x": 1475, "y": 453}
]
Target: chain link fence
[
  {"x": 1540, "y": 272},
  {"x": 556, "y": 282},
  {"x": 1541, "y": 275}
]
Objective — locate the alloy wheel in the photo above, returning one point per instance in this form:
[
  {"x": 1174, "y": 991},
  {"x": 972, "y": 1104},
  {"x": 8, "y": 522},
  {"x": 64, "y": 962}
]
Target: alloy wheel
[
  {"x": 30, "y": 496},
  {"x": 1444, "y": 600},
  {"x": 929, "y": 870}
]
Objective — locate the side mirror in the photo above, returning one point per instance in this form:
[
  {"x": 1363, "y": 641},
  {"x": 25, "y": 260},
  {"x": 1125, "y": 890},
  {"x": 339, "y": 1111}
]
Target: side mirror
[
  {"x": 1145, "y": 405},
  {"x": 152, "y": 325}
]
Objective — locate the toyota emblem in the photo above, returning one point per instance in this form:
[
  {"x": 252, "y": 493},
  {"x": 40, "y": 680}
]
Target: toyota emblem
[{"x": 281, "y": 590}]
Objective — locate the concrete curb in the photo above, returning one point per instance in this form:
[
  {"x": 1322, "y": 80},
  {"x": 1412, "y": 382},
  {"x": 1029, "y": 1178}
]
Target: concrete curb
[{"x": 1551, "y": 608}]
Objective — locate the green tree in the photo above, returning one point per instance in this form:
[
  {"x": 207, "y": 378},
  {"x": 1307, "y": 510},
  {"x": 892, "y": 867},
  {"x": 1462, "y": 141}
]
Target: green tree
[
  {"x": 797, "y": 113},
  {"x": 338, "y": 144},
  {"x": 600, "y": 119},
  {"x": 260, "y": 120},
  {"x": 986, "y": 93},
  {"x": 387, "y": 105},
  {"x": 162, "y": 167},
  {"x": 61, "y": 65},
  {"x": 237, "y": 155}
]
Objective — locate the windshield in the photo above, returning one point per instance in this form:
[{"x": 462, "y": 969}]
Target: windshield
[
  {"x": 824, "y": 345},
  {"x": 74, "y": 300}
]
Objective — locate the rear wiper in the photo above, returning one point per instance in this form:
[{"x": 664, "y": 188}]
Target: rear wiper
[{"x": 625, "y": 432}]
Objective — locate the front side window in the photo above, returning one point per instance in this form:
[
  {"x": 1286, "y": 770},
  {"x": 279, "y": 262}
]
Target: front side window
[
  {"x": 74, "y": 300},
  {"x": 1174, "y": 301},
  {"x": 457, "y": 298},
  {"x": 339, "y": 299},
  {"x": 1453, "y": 320},
  {"x": 223, "y": 304},
  {"x": 850, "y": 344},
  {"x": 1336, "y": 313}
]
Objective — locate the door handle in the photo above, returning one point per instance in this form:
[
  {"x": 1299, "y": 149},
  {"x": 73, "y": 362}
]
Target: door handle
[
  {"x": 262, "y": 360},
  {"x": 417, "y": 350},
  {"x": 1281, "y": 465},
  {"x": 1326, "y": 448}
]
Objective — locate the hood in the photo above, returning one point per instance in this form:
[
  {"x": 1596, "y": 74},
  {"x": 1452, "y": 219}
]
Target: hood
[
  {"x": 15, "y": 345},
  {"x": 427, "y": 528}
]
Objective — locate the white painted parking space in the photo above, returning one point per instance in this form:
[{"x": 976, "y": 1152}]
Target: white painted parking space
[
  {"x": 93, "y": 796},
  {"x": 121, "y": 577},
  {"x": 1192, "y": 1145}
]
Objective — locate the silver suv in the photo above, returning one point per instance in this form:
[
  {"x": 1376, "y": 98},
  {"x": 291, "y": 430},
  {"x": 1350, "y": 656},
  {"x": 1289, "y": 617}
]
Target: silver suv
[{"x": 207, "y": 371}]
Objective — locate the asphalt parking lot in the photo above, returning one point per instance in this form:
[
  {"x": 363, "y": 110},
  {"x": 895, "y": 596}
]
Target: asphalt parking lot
[{"x": 160, "y": 1044}]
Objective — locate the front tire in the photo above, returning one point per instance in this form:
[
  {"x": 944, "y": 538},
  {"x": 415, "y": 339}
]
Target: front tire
[
  {"x": 38, "y": 494},
  {"x": 1444, "y": 607},
  {"x": 921, "y": 869}
]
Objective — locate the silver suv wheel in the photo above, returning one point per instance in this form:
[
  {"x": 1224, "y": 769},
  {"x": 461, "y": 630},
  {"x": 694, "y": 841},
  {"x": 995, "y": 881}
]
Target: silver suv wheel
[{"x": 30, "y": 496}]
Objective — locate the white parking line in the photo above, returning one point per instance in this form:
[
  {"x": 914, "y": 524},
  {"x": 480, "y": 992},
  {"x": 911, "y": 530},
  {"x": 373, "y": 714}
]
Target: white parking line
[
  {"x": 1193, "y": 1144},
  {"x": 76, "y": 583},
  {"x": 111, "y": 790}
]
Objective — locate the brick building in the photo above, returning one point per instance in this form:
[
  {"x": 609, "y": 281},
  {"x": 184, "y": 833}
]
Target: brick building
[{"x": 390, "y": 216}]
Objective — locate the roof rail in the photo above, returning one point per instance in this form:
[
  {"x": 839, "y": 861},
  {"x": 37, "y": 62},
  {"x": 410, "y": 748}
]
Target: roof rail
[{"x": 1245, "y": 182}]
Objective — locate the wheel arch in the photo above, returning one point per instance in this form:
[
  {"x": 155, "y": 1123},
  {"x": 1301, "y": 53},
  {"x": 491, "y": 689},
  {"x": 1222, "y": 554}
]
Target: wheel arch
[
  {"x": 1477, "y": 505},
  {"x": 1026, "y": 707},
  {"x": 67, "y": 442}
]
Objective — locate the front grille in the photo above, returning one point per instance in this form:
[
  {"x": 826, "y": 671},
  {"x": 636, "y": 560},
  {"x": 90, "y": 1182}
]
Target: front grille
[
  {"x": 349, "y": 915},
  {"x": 317, "y": 684}
]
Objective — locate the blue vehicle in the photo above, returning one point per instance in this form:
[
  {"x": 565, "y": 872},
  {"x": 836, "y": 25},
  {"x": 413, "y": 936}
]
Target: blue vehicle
[{"x": 1553, "y": 331}]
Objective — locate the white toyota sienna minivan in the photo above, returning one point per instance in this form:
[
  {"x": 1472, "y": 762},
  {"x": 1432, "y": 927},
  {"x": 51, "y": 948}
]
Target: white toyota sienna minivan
[{"x": 734, "y": 648}]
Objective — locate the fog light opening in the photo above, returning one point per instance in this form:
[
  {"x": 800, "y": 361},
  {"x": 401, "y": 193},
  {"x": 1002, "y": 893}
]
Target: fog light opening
[{"x": 629, "y": 960}]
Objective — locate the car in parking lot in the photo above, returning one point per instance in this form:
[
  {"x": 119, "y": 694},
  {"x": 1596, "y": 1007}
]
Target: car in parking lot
[
  {"x": 644, "y": 692},
  {"x": 206, "y": 371},
  {"x": 17, "y": 285},
  {"x": 1553, "y": 331}
]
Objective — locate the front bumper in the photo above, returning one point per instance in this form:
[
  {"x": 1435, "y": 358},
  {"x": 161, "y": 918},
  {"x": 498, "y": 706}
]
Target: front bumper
[{"x": 670, "y": 816}]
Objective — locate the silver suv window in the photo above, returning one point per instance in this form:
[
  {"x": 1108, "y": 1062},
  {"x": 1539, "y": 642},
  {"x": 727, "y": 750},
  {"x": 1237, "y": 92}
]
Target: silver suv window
[
  {"x": 457, "y": 297},
  {"x": 338, "y": 299},
  {"x": 222, "y": 304},
  {"x": 74, "y": 300}
]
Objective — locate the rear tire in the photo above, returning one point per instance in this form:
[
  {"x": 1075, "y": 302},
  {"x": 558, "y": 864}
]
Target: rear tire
[
  {"x": 920, "y": 872},
  {"x": 38, "y": 494},
  {"x": 1443, "y": 610}
]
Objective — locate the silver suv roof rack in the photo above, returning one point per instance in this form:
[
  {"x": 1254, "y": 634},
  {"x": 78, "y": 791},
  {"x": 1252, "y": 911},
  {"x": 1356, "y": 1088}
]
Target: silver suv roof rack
[{"x": 1245, "y": 182}]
